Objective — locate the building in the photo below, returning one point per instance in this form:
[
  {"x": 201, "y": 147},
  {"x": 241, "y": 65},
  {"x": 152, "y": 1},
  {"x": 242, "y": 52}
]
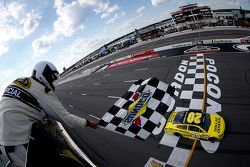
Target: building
[
  {"x": 231, "y": 14},
  {"x": 192, "y": 13},
  {"x": 223, "y": 15}
]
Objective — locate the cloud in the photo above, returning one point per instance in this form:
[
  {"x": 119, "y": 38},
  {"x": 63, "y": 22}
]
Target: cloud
[
  {"x": 16, "y": 24},
  {"x": 140, "y": 9},
  {"x": 15, "y": 8},
  {"x": 88, "y": 2},
  {"x": 44, "y": 43},
  {"x": 123, "y": 13},
  {"x": 102, "y": 7},
  {"x": 70, "y": 18},
  {"x": 112, "y": 20},
  {"x": 107, "y": 11},
  {"x": 130, "y": 25},
  {"x": 30, "y": 22},
  {"x": 7, "y": 74},
  {"x": 79, "y": 49},
  {"x": 158, "y": 2}
]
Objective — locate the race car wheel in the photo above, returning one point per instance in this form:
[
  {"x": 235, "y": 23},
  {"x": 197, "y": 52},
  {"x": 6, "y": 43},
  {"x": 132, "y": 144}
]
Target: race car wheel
[
  {"x": 212, "y": 139},
  {"x": 177, "y": 134}
]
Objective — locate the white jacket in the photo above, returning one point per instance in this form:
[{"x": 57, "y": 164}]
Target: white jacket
[{"x": 25, "y": 102}]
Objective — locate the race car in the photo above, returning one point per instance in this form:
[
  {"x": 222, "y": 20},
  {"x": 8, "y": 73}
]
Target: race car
[{"x": 196, "y": 125}]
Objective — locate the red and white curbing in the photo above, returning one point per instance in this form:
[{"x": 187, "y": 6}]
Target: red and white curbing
[
  {"x": 143, "y": 53},
  {"x": 133, "y": 60}
]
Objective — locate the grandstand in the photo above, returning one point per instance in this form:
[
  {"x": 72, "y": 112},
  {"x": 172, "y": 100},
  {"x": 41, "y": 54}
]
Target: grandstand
[{"x": 191, "y": 16}]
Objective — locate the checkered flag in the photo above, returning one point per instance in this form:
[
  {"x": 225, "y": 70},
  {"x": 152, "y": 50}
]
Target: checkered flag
[{"x": 138, "y": 112}]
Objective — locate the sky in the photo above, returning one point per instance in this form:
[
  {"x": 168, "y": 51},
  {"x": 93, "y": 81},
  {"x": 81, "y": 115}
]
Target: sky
[{"x": 64, "y": 31}]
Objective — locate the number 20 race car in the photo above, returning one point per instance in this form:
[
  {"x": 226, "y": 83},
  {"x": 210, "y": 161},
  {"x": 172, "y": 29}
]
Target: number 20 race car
[{"x": 196, "y": 125}]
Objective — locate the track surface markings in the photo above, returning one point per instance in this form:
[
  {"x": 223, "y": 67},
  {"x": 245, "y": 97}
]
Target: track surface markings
[
  {"x": 113, "y": 97},
  {"x": 130, "y": 81},
  {"x": 141, "y": 69},
  {"x": 107, "y": 75},
  {"x": 94, "y": 117},
  {"x": 203, "y": 109},
  {"x": 71, "y": 106}
]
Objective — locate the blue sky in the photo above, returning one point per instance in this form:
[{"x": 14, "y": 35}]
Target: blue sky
[{"x": 64, "y": 31}]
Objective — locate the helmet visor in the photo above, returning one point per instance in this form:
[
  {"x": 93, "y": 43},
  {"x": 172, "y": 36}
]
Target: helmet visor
[{"x": 56, "y": 77}]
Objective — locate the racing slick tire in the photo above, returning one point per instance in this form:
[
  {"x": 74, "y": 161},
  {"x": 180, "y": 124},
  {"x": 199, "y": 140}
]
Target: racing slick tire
[{"x": 212, "y": 139}]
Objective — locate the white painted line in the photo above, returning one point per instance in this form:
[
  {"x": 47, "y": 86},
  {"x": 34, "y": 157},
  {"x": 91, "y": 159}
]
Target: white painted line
[
  {"x": 141, "y": 69},
  {"x": 131, "y": 81},
  {"x": 113, "y": 97},
  {"x": 178, "y": 157},
  {"x": 94, "y": 117},
  {"x": 71, "y": 106},
  {"x": 83, "y": 94},
  {"x": 70, "y": 93},
  {"x": 106, "y": 75},
  {"x": 96, "y": 84}
]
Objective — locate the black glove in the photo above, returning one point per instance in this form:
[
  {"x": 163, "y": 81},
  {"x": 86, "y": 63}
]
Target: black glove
[{"x": 92, "y": 124}]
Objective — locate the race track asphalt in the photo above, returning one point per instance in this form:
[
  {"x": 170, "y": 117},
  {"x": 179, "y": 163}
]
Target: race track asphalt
[{"x": 93, "y": 95}]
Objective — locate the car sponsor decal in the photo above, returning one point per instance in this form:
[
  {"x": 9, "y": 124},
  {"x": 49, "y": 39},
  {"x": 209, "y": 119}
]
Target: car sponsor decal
[
  {"x": 193, "y": 118},
  {"x": 137, "y": 108},
  {"x": 217, "y": 125}
]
